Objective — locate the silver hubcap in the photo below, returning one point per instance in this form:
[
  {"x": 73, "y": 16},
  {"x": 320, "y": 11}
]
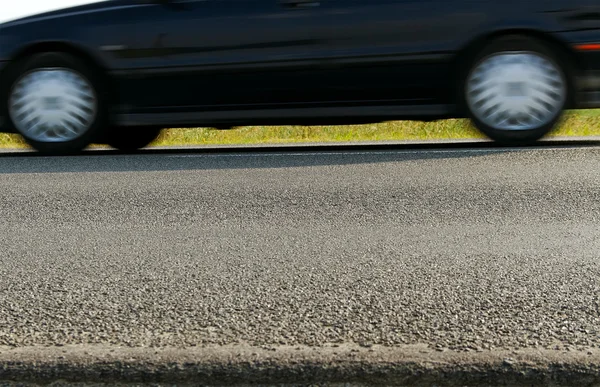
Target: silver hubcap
[
  {"x": 516, "y": 91},
  {"x": 53, "y": 105}
]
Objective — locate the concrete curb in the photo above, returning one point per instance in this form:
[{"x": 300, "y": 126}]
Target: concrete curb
[
  {"x": 417, "y": 146},
  {"x": 424, "y": 144},
  {"x": 350, "y": 364},
  {"x": 557, "y": 141}
]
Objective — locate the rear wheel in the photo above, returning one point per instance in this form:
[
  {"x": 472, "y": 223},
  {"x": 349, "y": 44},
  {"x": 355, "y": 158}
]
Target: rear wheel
[
  {"x": 131, "y": 139},
  {"x": 516, "y": 90},
  {"x": 54, "y": 102}
]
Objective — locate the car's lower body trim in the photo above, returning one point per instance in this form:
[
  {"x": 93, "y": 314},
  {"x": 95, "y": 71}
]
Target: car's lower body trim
[
  {"x": 589, "y": 100},
  {"x": 295, "y": 116},
  {"x": 588, "y": 95}
]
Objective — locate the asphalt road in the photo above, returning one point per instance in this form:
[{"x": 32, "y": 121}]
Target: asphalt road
[{"x": 452, "y": 249}]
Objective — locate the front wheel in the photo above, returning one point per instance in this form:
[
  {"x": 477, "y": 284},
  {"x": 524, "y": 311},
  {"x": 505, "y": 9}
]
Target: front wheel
[
  {"x": 54, "y": 101},
  {"x": 131, "y": 139},
  {"x": 516, "y": 90}
]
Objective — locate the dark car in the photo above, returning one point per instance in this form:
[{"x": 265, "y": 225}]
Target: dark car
[{"x": 117, "y": 71}]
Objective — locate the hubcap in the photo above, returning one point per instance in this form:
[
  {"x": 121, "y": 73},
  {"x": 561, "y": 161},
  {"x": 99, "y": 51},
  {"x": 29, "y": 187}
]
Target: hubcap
[
  {"x": 516, "y": 91},
  {"x": 53, "y": 105}
]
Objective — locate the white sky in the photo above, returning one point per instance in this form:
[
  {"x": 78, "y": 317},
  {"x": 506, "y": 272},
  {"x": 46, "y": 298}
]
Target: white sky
[{"x": 23, "y": 8}]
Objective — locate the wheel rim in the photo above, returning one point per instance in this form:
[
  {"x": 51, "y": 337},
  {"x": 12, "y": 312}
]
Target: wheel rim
[
  {"x": 516, "y": 91},
  {"x": 53, "y": 105}
]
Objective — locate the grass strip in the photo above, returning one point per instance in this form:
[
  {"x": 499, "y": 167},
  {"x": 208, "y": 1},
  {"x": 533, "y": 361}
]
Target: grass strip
[{"x": 576, "y": 123}]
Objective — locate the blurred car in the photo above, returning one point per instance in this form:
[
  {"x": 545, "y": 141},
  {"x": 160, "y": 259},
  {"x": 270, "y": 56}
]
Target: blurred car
[{"x": 118, "y": 71}]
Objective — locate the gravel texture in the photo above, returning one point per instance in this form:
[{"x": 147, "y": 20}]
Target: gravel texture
[{"x": 453, "y": 249}]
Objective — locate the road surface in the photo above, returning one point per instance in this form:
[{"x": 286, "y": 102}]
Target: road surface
[{"x": 388, "y": 254}]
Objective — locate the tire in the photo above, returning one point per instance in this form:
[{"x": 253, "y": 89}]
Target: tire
[
  {"x": 516, "y": 90},
  {"x": 131, "y": 139},
  {"x": 55, "y": 101}
]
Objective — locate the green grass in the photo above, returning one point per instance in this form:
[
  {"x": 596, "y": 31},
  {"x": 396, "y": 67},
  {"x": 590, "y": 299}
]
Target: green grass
[
  {"x": 580, "y": 123},
  {"x": 590, "y": 113}
]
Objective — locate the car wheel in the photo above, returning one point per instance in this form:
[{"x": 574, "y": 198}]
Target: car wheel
[
  {"x": 516, "y": 91},
  {"x": 54, "y": 102},
  {"x": 131, "y": 139}
]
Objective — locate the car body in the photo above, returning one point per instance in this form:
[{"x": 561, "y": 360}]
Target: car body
[{"x": 227, "y": 63}]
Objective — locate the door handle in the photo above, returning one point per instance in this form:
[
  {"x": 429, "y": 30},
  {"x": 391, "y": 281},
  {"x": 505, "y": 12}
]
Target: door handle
[{"x": 296, "y": 4}]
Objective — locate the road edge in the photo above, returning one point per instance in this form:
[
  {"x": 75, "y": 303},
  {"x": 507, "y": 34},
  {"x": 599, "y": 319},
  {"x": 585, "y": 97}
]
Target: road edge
[{"x": 240, "y": 364}]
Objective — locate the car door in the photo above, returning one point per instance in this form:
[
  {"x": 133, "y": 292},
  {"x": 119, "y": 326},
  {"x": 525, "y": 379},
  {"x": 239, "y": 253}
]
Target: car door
[
  {"x": 216, "y": 54},
  {"x": 395, "y": 51}
]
